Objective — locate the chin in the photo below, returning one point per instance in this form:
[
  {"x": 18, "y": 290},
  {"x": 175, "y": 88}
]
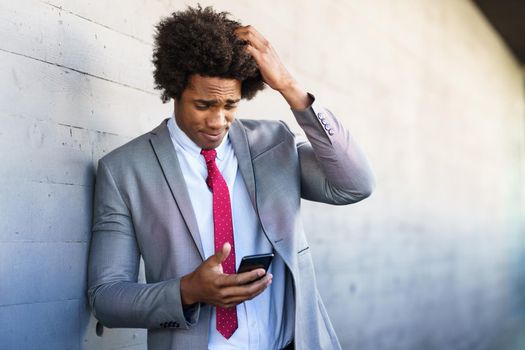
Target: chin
[{"x": 210, "y": 145}]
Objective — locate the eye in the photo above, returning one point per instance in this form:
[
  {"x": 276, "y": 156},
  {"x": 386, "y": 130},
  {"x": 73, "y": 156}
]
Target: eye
[
  {"x": 201, "y": 107},
  {"x": 228, "y": 107}
]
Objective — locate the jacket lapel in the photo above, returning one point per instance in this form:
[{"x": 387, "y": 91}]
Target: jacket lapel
[
  {"x": 244, "y": 159},
  {"x": 161, "y": 142},
  {"x": 239, "y": 139}
]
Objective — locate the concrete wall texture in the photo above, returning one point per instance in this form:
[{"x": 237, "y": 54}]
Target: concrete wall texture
[{"x": 433, "y": 260}]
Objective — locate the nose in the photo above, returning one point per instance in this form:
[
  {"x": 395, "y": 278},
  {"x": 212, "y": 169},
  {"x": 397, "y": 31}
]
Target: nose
[{"x": 217, "y": 120}]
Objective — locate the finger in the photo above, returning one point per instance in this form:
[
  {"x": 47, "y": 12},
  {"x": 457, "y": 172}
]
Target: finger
[
  {"x": 255, "y": 42},
  {"x": 249, "y": 290},
  {"x": 259, "y": 286},
  {"x": 251, "y": 31},
  {"x": 256, "y": 54},
  {"x": 249, "y": 276},
  {"x": 253, "y": 37},
  {"x": 233, "y": 301},
  {"x": 241, "y": 279},
  {"x": 236, "y": 295},
  {"x": 223, "y": 253}
]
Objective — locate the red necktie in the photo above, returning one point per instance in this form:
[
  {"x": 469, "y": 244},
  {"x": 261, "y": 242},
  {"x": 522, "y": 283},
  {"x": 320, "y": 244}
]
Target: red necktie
[{"x": 223, "y": 232}]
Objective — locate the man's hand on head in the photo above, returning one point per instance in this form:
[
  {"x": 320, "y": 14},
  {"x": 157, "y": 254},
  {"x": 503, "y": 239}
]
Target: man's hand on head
[
  {"x": 273, "y": 71},
  {"x": 209, "y": 284}
]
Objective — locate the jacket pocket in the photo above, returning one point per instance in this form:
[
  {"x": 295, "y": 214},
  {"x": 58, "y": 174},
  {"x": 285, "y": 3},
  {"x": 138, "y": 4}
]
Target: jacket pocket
[{"x": 267, "y": 151}]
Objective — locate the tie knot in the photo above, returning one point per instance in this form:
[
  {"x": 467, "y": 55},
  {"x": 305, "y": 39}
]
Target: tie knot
[{"x": 209, "y": 155}]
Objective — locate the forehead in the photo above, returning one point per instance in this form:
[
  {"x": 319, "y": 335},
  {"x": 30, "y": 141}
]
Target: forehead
[{"x": 213, "y": 87}]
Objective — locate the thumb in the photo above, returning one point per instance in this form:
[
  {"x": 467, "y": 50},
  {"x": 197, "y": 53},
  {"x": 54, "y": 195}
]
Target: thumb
[{"x": 223, "y": 253}]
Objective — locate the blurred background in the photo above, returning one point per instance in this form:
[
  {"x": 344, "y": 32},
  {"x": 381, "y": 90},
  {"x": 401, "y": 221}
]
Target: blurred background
[{"x": 433, "y": 90}]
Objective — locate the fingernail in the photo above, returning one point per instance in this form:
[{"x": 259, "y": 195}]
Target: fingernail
[{"x": 261, "y": 273}]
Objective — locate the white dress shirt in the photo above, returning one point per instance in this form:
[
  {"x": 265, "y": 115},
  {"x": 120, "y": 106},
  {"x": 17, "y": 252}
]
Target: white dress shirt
[{"x": 260, "y": 322}]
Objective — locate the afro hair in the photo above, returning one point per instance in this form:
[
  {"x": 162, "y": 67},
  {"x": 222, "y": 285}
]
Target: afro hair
[{"x": 201, "y": 41}]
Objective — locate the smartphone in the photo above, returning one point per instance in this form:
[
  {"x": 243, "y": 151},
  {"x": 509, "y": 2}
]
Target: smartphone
[{"x": 252, "y": 262}]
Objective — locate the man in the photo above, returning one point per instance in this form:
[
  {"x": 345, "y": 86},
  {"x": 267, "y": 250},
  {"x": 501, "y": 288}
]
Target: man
[{"x": 202, "y": 190}]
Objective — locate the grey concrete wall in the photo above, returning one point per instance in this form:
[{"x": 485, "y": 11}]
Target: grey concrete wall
[{"x": 431, "y": 261}]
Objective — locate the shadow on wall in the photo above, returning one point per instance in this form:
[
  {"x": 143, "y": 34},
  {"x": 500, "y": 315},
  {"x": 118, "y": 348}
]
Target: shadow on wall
[{"x": 510, "y": 337}]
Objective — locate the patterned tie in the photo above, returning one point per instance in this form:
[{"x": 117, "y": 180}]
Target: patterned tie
[{"x": 223, "y": 232}]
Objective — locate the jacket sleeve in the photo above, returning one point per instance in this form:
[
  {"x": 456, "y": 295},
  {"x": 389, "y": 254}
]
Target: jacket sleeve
[
  {"x": 334, "y": 169},
  {"x": 115, "y": 296}
]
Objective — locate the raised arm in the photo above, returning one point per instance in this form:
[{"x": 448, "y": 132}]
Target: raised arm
[{"x": 333, "y": 167}]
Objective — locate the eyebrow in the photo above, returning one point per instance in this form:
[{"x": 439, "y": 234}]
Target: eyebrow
[{"x": 213, "y": 102}]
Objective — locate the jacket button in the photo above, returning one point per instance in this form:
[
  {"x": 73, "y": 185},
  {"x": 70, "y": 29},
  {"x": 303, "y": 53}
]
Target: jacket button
[{"x": 331, "y": 132}]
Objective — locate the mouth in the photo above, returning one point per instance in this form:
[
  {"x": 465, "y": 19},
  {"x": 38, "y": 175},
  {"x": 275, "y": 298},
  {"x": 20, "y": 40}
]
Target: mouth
[{"x": 213, "y": 136}]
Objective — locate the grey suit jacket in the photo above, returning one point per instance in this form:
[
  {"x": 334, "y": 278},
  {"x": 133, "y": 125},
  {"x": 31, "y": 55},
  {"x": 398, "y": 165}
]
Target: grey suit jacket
[{"x": 142, "y": 208}]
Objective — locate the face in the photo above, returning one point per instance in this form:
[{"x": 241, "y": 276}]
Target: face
[{"x": 206, "y": 109}]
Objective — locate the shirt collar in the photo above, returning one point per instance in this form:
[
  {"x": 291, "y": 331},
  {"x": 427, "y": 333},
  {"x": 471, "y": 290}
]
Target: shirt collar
[{"x": 183, "y": 141}]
